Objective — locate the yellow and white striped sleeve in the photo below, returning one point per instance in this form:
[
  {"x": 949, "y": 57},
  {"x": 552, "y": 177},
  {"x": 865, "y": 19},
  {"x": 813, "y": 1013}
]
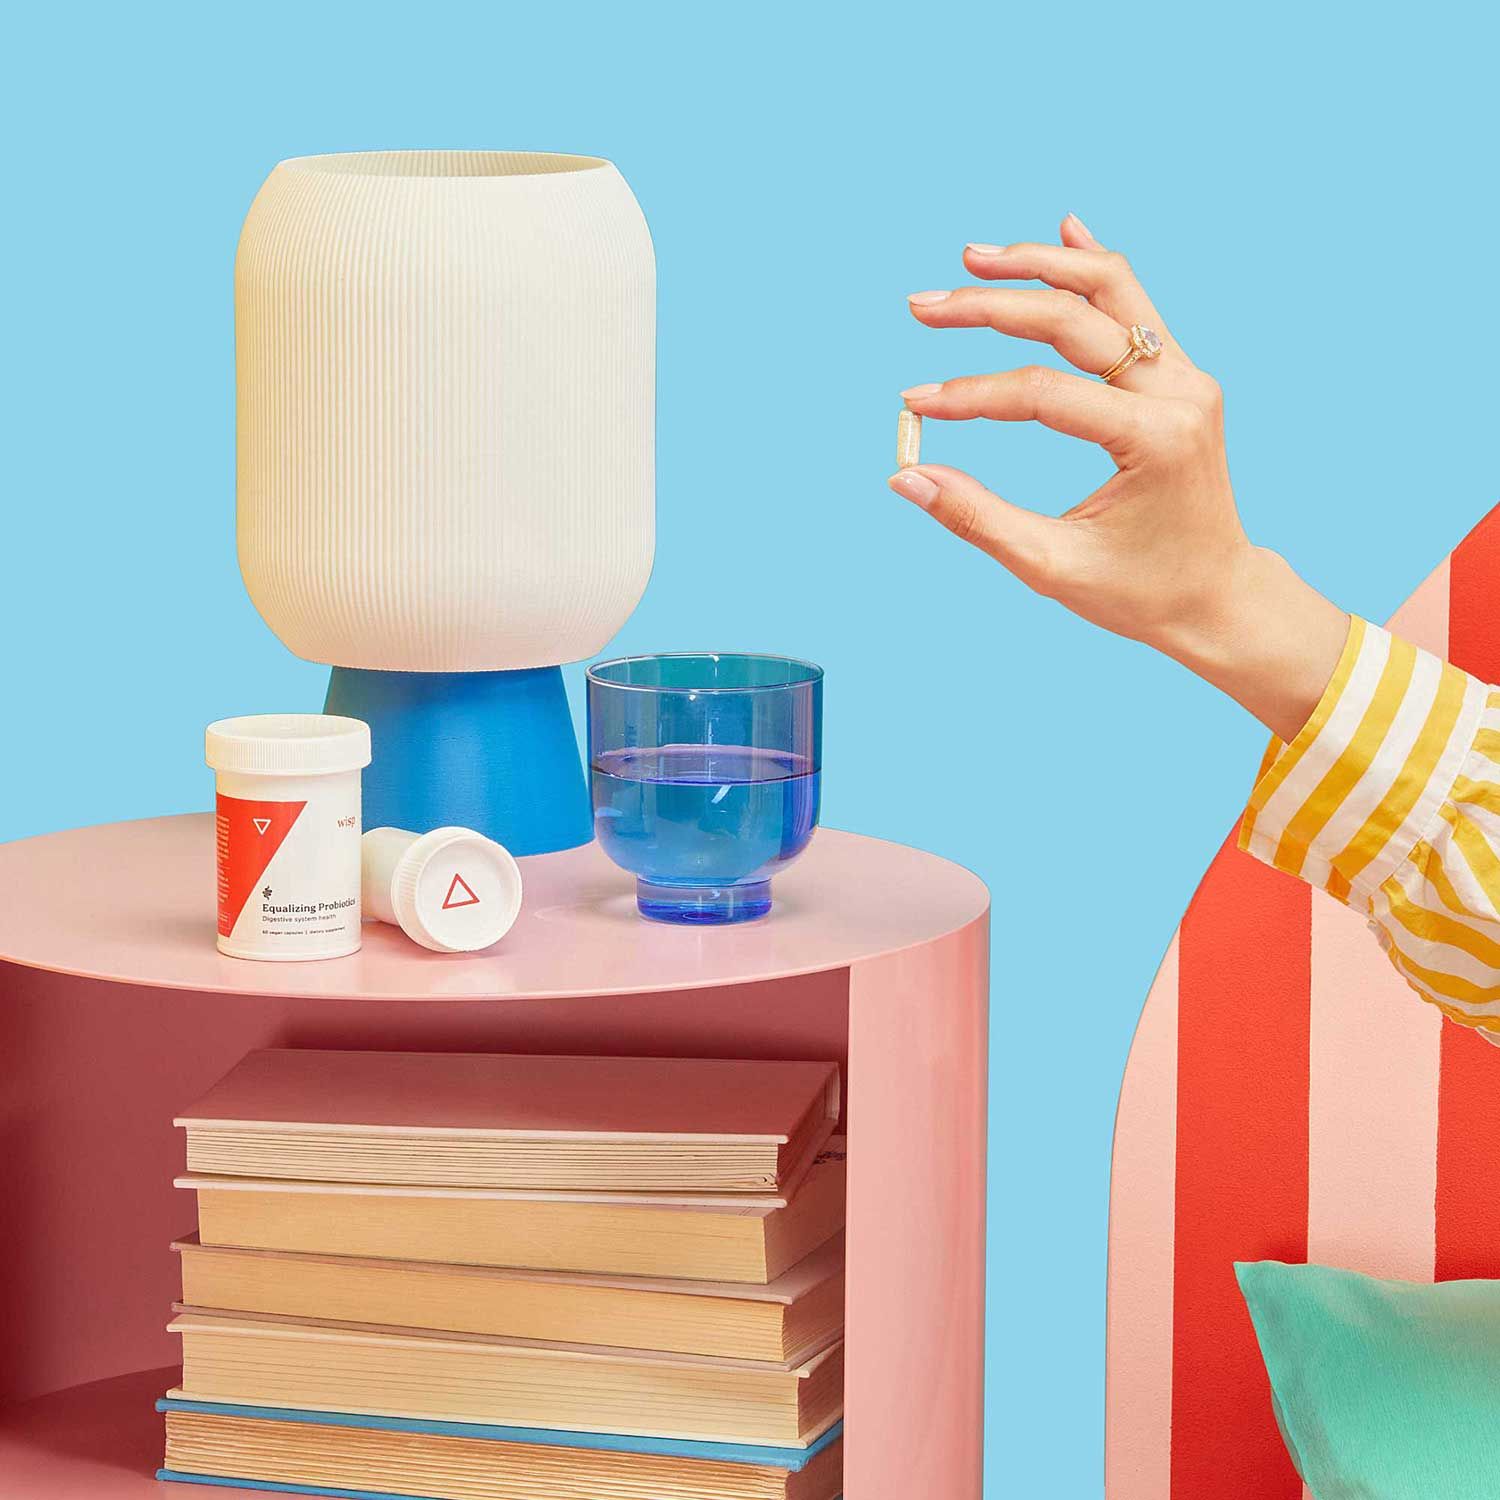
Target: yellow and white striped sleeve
[{"x": 1389, "y": 800}]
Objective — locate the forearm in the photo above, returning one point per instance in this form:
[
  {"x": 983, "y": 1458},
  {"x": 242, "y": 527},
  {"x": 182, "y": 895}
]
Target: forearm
[{"x": 1268, "y": 639}]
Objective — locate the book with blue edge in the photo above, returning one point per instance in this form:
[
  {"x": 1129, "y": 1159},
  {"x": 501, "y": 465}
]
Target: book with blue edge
[{"x": 360, "y": 1457}]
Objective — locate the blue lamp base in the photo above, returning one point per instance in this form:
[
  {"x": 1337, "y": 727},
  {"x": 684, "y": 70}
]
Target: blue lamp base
[{"x": 492, "y": 751}]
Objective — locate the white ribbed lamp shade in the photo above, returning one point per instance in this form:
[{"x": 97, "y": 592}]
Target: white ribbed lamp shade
[{"x": 446, "y": 372}]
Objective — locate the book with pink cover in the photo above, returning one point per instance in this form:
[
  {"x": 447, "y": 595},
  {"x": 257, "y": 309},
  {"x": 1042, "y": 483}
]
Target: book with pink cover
[{"x": 573, "y": 1124}]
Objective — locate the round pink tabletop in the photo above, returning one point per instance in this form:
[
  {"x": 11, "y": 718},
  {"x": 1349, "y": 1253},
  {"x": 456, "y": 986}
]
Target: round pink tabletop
[{"x": 133, "y": 903}]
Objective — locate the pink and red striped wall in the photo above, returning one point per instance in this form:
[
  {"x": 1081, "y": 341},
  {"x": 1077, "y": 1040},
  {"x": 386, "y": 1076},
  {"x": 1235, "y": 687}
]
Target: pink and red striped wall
[{"x": 1287, "y": 1097}]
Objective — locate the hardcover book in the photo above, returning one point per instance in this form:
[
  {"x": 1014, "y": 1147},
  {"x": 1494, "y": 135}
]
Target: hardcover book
[
  {"x": 456, "y": 1377},
  {"x": 798, "y": 1313},
  {"x": 710, "y": 1239},
  {"x": 456, "y": 1119},
  {"x": 381, "y": 1458}
]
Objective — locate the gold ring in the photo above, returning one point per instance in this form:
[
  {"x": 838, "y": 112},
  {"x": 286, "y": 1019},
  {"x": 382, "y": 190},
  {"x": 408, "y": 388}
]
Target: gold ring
[{"x": 1145, "y": 343}]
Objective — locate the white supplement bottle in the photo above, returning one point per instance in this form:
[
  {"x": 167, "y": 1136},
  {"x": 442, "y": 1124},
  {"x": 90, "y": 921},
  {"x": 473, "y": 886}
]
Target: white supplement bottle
[
  {"x": 288, "y": 831},
  {"x": 451, "y": 890}
]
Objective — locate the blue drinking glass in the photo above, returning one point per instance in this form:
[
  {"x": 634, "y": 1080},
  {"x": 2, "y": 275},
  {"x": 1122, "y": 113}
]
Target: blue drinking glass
[{"x": 705, "y": 772}]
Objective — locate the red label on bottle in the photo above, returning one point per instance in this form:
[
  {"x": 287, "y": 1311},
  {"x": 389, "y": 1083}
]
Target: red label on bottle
[{"x": 248, "y": 835}]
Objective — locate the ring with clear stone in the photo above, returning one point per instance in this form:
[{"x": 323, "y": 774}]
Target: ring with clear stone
[{"x": 1145, "y": 343}]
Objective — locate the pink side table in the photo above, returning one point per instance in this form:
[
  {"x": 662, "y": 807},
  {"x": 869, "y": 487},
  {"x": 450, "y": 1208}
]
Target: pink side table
[{"x": 117, "y": 1010}]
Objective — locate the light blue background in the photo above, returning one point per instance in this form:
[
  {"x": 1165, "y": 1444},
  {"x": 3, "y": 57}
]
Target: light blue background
[{"x": 1310, "y": 200}]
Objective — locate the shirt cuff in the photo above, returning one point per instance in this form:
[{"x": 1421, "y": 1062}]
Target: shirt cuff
[{"x": 1343, "y": 805}]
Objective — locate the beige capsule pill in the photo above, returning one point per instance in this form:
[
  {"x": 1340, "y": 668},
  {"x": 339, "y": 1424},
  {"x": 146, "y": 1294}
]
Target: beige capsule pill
[{"x": 908, "y": 440}]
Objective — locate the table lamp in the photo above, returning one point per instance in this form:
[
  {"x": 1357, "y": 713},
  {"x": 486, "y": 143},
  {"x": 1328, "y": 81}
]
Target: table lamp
[{"x": 445, "y": 373}]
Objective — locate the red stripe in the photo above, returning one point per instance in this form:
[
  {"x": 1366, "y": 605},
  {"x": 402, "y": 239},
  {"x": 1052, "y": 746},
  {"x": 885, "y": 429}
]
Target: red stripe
[
  {"x": 1242, "y": 1143},
  {"x": 1468, "y": 1199}
]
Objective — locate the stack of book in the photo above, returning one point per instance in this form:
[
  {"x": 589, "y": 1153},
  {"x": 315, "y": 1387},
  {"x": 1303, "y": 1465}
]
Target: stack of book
[{"x": 479, "y": 1277}]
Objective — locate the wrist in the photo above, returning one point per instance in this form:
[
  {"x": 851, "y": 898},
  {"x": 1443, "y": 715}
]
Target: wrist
[{"x": 1264, "y": 636}]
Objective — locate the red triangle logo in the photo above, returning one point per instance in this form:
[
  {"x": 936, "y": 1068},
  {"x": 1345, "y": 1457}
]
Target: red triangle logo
[
  {"x": 261, "y": 824},
  {"x": 453, "y": 898}
]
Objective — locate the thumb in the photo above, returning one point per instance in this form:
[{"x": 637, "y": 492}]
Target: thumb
[{"x": 1023, "y": 541}]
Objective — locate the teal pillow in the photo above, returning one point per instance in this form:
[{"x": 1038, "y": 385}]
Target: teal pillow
[{"x": 1384, "y": 1390}]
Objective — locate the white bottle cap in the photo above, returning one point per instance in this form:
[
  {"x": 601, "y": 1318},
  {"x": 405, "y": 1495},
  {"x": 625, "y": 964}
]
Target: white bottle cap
[
  {"x": 451, "y": 890},
  {"x": 287, "y": 744}
]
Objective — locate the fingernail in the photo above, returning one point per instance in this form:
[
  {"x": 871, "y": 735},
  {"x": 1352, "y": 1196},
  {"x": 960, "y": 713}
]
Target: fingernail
[
  {"x": 920, "y": 392},
  {"x": 1084, "y": 227},
  {"x": 928, "y": 299},
  {"x": 986, "y": 249},
  {"x": 913, "y": 485}
]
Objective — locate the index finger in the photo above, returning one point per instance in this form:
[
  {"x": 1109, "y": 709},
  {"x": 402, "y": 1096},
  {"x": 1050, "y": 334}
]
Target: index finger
[
  {"x": 1087, "y": 409},
  {"x": 1103, "y": 276}
]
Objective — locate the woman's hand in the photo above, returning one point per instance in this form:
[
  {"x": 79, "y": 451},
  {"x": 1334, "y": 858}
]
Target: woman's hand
[{"x": 1157, "y": 553}]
